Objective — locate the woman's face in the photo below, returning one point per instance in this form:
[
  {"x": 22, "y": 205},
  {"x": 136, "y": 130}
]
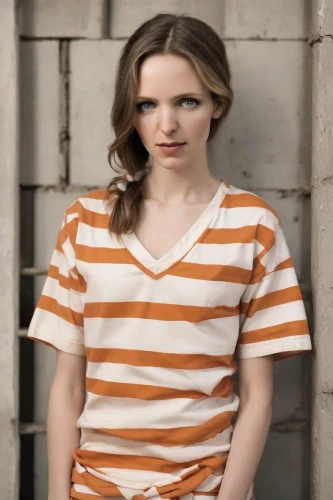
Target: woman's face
[{"x": 173, "y": 105}]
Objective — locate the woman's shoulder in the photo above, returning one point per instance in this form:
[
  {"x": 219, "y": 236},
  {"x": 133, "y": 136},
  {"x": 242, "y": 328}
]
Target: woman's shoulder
[
  {"x": 90, "y": 209},
  {"x": 249, "y": 207},
  {"x": 92, "y": 201}
]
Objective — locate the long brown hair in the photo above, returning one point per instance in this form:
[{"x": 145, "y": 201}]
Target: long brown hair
[{"x": 180, "y": 35}]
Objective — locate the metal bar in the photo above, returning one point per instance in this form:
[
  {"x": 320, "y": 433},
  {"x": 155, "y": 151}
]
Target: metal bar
[
  {"x": 33, "y": 271},
  {"x": 32, "y": 428}
]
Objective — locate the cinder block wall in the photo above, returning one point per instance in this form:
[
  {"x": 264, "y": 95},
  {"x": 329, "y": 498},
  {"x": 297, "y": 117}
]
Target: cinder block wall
[{"x": 69, "y": 52}]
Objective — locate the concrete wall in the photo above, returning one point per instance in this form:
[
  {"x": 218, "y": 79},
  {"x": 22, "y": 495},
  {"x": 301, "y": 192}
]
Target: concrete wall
[
  {"x": 69, "y": 53},
  {"x": 321, "y": 40},
  {"x": 9, "y": 252}
]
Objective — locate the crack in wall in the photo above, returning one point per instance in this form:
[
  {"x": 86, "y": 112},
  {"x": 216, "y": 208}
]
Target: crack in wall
[
  {"x": 64, "y": 133},
  {"x": 321, "y": 182},
  {"x": 318, "y": 38}
]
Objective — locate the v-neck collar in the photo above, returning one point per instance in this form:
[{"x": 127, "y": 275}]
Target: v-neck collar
[{"x": 153, "y": 266}]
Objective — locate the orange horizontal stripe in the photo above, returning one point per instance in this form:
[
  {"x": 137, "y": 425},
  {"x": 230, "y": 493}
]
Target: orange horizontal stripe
[
  {"x": 53, "y": 272},
  {"x": 211, "y": 272},
  {"x": 163, "y": 312},
  {"x": 138, "y": 391},
  {"x": 246, "y": 200},
  {"x": 286, "y": 264},
  {"x": 94, "y": 219},
  {"x": 291, "y": 294},
  {"x": 97, "y": 459},
  {"x": 176, "y": 436},
  {"x": 98, "y": 255},
  {"x": 69, "y": 283},
  {"x": 159, "y": 359},
  {"x": 281, "y": 330},
  {"x": 245, "y": 234},
  {"x": 51, "y": 305},
  {"x": 93, "y": 482}
]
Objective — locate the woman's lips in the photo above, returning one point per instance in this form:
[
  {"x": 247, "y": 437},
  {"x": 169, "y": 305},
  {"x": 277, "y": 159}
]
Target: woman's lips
[{"x": 171, "y": 149}]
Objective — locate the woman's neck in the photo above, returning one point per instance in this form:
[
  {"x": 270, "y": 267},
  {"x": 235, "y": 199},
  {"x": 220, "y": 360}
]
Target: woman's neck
[{"x": 174, "y": 187}]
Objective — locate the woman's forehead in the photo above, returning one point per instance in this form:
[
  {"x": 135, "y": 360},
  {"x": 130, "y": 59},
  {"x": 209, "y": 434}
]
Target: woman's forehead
[{"x": 168, "y": 74}]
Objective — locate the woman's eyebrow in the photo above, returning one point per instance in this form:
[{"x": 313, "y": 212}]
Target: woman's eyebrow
[{"x": 179, "y": 96}]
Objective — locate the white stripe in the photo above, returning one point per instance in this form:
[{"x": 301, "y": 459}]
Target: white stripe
[
  {"x": 96, "y": 237},
  {"x": 213, "y": 337},
  {"x": 258, "y": 248},
  {"x": 103, "y": 443},
  {"x": 81, "y": 488},
  {"x": 279, "y": 280},
  {"x": 238, "y": 217},
  {"x": 133, "y": 285},
  {"x": 153, "y": 493},
  {"x": 71, "y": 299},
  {"x": 233, "y": 254},
  {"x": 70, "y": 217},
  {"x": 60, "y": 261},
  {"x": 135, "y": 479},
  {"x": 93, "y": 418},
  {"x": 121, "y": 406},
  {"x": 201, "y": 380},
  {"x": 275, "y": 316},
  {"x": 93, "y": 205}
]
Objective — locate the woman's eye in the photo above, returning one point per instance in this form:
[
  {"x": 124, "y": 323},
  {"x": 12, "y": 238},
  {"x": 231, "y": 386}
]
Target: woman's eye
[
  {"x": 144, "y": 106},
  {"x": 192, "y": 103},
  {"x": 147, "y": 106}
]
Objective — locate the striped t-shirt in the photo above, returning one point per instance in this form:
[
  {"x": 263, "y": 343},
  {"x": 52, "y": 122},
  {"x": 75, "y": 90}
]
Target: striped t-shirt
[{"x": 160, "y": 337}]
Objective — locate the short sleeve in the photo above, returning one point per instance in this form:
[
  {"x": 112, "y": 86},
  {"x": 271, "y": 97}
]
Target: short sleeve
[
  {"x": 273, "y": 319},
  {"x": 58, "y": 317}
]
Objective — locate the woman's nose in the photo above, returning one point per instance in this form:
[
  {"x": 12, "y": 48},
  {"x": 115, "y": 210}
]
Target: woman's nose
[{"x": 168, "y": 121}]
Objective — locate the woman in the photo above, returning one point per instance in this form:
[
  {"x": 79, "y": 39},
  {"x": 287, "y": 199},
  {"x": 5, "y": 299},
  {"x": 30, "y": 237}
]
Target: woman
[{"x": 156, "y": 285}]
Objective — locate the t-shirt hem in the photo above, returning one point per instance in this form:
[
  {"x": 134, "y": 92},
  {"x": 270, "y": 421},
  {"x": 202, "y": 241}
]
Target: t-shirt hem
[
  {"x": 56, "y": 340},
  {"x": 279, "y": 348}
]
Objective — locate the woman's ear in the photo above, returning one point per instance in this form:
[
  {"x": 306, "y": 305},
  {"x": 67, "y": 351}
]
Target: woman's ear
[{"x": 218, "y": 110}]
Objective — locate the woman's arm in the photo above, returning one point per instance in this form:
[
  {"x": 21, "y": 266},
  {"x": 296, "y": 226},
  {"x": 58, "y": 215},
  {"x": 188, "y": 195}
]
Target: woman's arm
[
  {"x": 251, "y": 429},
  {"x": 66, "y": 401}
]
